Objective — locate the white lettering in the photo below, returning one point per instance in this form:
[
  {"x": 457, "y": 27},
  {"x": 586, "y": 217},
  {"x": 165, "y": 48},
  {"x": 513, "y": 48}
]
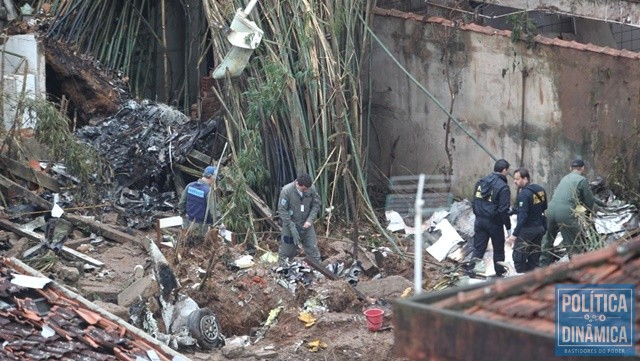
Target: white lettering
[
  {"x": 576, "y": 305},
  {"x": 600, "y": 334},
  {"x": 611, "y": 303},
  {"x": 566, "y": 302},
  {"x": 566, "y": 334},
  {"x": 622, "y": 304},
  {"x": 590, "y": 334}
]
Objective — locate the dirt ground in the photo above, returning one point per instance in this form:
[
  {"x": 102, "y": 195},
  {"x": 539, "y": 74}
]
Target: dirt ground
[{"x": 242, "y": 299}]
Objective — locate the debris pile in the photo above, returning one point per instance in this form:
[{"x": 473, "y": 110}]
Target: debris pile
[
  {"x": 143, "y": 141},
  {"x": 142, "y": 144}
]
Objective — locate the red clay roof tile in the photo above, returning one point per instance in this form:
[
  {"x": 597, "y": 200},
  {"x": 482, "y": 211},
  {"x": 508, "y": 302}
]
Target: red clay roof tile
[
  {"x": 490, "y": 31},
  {"x": 78, "y": 333}
]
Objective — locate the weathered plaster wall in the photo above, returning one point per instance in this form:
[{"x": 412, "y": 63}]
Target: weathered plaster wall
[
  {"x": 623, "y": 11},
  {"x": 23, "y": 70},
  {"x": 577, "y": 103}
]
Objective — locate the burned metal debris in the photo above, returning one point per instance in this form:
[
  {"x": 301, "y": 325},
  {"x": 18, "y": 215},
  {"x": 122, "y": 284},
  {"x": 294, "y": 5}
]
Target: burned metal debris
[
  {"x": 290, "y": 273},
  {"x": 143, "y": 140},
  {"x": 142, "y": 144},
  {"x": 185, "y": 323}
]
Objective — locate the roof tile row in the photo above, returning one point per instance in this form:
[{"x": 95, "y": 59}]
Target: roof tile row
[
  {"x": 491, "y": 31},
  {"x": 44, "y": 324}
]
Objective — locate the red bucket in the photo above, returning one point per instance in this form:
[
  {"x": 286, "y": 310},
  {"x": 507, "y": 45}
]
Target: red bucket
[{"x": 374, "y": 318}]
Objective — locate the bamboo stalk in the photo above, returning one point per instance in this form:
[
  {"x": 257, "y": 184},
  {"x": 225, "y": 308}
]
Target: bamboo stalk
[{"x": 165, "y": 55}]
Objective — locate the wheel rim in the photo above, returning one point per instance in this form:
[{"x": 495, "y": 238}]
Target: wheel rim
[{"x": 209, "y": 327}]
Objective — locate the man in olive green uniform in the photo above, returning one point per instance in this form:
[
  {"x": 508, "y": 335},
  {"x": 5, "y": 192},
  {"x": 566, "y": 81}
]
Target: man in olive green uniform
[
  {"x": 572, "y": 191},
  {"x": 298, "y": 207}
]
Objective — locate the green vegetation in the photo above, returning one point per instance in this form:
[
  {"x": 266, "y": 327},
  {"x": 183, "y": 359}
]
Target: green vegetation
[
  {"x": 524, "y": 28},
  {"x": 52, "y": 130}
]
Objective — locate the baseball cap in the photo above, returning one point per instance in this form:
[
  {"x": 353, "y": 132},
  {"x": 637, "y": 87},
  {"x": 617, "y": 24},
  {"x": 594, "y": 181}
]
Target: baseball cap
[
  {"x": 210, "y": 171},
  {"x": 578, "y": 163}
]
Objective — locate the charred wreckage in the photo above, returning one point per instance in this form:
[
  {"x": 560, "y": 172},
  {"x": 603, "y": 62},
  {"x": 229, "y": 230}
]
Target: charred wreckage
[{"x": 147, "y": 147}]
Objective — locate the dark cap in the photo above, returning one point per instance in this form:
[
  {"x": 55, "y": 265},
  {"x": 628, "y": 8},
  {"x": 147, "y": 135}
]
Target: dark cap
[{"x": 578, "y": 163}]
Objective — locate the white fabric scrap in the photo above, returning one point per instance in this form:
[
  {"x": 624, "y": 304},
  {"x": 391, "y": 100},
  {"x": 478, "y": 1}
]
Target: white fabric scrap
[
  {"x": 29, "y": 281},
  {"x": 56, "y": 211},
  {"x": 396, "y": 223}
]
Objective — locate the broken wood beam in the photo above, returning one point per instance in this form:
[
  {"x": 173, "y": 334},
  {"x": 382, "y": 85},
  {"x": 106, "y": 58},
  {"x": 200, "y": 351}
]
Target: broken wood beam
[
  {"x": 199, "y": 158},
  {"x": 98, "y": 228},
  {"x": 102, "y": 229},
  {"x": 263, "y": 209},
  {"x": 30, "y": 174}
]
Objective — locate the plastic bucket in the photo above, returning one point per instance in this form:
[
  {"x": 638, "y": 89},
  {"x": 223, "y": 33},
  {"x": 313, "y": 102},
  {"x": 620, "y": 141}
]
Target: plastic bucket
[{"x": 374, "y": 318}]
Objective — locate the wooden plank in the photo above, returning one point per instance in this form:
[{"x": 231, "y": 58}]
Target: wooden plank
[
  {"x": 30, "y": 174},
  {"x": 102, "y": 229},
  {"x": 199, "y": 158},
  {"x": 81, "y": 256},
  {"x": 98, "y": 228},
  {"x": 17, "y": 229}
]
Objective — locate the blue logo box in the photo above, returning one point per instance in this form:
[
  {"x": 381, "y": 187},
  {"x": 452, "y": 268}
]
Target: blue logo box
[{"x": 595, "y": 320}]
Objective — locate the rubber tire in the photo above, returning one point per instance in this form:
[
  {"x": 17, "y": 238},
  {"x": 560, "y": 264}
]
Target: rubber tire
[{"x": 203, "y": 326}]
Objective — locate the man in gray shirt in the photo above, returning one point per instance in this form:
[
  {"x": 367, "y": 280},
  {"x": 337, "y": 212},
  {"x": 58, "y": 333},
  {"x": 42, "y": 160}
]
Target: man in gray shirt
[{"x": 298, "y": 207}]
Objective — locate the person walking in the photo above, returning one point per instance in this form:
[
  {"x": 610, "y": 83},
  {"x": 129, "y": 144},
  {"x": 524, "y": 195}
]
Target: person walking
[
  {"x": 572, "y": 191},
  {"x": 491, "y": 208},
  {"x": 531, "y": 224},
  {"x": 298, "y": 208},
  {"x": 197, "y": 205}
]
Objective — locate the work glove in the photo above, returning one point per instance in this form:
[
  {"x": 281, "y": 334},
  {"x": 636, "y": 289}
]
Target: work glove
[{"x": 294, "y": 234}]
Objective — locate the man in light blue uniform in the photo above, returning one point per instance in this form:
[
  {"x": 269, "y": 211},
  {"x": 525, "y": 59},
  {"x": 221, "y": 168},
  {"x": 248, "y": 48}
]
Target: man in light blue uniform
[{"x": 197, "y": 204}]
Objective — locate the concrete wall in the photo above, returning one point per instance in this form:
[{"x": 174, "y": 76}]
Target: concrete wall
[
  {"x": 617, "y": 11},
  {"x": 577, "y": 103},
  {"x": 24, "y": 68}
]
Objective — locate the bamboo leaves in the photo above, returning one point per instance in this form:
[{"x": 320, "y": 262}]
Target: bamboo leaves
[{"x": 302, "y": 91}]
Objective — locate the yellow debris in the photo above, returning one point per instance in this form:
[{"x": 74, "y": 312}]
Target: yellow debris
[
  {"x": 307, "y": 318},
  {"x": 272, "y": 315},
  {"x": 580, "y": 209},
  {"x": 406, "y": 293},
  {"x": 316, "y": 345}
]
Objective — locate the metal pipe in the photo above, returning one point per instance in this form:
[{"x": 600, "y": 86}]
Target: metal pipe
[
  {"x": 250, "y": 6},
  {"x": 417, "y": 264}
]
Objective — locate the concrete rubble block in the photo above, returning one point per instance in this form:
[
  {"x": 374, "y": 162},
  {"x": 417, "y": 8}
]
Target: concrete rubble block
[
  {"x": 140, "y": 287},
  {"x": 119, "y": 311},
  {"x": 367, "y": 264},
  {"x": 236, "y": 347},
  {"x": 104, "y": 291},
  {"x": 67, "y": 274},
  {"x": 387, "y": 288},
  {"x": 344, "y": 246}
]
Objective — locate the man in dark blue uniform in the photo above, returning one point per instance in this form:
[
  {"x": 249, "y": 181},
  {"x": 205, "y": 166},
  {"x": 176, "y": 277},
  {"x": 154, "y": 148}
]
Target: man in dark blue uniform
[
  {"x": 491, "y": 207},
  {"x": 531, "y": 225},
  {"x": 197, "y": 204}
]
